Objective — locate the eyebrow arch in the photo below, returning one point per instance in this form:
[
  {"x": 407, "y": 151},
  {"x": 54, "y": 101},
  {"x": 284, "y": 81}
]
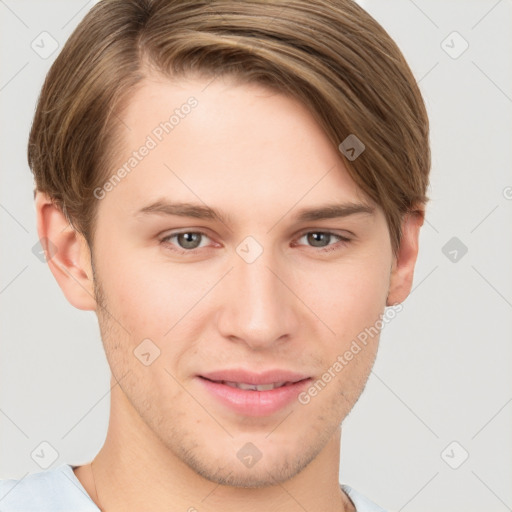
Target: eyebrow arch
[
  {"x": 334, "y": 210},
  {"x": 328, "y": 211},
  {"x": 164, "y": 207}
]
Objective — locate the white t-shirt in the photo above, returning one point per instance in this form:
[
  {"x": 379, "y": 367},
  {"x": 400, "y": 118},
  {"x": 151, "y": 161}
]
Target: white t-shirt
[{"x": 59, "y": 490}]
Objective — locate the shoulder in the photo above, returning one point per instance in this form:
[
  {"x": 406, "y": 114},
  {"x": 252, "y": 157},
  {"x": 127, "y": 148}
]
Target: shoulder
[
  {"x": 361, "y": 503},
  {"x": 55, "y": 490}
]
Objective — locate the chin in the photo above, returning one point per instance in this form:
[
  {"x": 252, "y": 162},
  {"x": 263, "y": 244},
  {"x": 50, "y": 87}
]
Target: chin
[
  {"x": 270, "y": 469},
  {"x": 248, "y": 477}
]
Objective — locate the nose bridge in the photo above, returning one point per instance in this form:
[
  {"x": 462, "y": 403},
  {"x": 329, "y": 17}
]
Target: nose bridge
[{"x": 258, "y": 307}]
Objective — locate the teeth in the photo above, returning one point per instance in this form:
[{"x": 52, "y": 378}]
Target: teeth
[{"x": 254, "y": 387}]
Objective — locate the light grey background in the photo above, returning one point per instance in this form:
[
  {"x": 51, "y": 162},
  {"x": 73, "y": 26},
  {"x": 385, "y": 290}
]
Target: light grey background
[{"x": 443, "y": 370}]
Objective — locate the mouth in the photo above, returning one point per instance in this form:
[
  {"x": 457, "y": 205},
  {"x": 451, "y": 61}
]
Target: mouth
[
  {"x": 251, "y": 394},
  {"x": 253, "y": 387}
]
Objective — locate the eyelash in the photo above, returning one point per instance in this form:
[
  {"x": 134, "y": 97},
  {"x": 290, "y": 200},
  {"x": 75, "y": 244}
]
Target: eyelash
[{"x": 342, "y": 243}]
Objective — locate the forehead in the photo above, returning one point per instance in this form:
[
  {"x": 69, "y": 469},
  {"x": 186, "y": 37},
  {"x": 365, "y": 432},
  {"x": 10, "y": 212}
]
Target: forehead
[{"x": 204, "y": 140}]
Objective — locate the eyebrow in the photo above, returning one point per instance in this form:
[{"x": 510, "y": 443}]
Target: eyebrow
[{"x": 327, "y": 211}]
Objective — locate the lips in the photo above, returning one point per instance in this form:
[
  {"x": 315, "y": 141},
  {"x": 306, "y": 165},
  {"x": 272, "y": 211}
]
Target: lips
[{"x": 254, "y": 394}]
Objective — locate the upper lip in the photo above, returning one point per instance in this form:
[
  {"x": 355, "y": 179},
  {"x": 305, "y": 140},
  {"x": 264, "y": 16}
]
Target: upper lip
[{"x": 247, "y": 377}]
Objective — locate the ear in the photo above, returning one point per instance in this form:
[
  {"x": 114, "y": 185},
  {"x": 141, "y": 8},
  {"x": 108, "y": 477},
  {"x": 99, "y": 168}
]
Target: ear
[
  {"x": 67, "y": 253},
  {"x": 402, "y": 271}
]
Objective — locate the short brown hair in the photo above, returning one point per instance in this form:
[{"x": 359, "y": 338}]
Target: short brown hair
[{"x": 329, "y": 54}]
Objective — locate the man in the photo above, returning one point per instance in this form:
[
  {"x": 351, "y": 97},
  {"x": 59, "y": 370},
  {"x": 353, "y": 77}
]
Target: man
[{"x": 236, "y": 188}]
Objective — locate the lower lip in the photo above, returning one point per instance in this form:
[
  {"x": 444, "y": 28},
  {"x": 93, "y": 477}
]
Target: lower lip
[{"x": 254, "y": 403}]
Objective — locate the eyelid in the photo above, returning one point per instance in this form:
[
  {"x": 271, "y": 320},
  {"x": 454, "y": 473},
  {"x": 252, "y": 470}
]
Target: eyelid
[{"x": 344, "y": 234}]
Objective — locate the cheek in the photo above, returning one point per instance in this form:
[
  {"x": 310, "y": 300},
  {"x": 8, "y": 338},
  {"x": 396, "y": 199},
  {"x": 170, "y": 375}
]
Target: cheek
[
  {"x": 145, "y": 298},
  {"x": 351, "y": 302},
  {"x": 350, "y": 296},
  {"x": 155, "y": 301}
]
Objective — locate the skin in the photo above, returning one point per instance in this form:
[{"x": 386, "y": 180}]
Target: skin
[{"x": 170, "y": 446}]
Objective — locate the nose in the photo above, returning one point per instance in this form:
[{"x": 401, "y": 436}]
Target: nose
[{"x": 258, "y": 305}]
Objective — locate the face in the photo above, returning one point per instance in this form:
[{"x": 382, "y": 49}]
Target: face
[{"x": 262, "y": 285}]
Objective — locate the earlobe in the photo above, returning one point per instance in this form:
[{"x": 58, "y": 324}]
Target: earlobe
[
  {"x": 67, "y": 253},
  {"x": 402, "y": 272}
]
